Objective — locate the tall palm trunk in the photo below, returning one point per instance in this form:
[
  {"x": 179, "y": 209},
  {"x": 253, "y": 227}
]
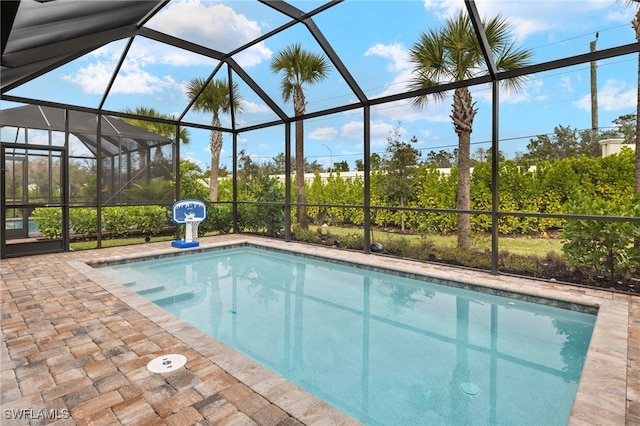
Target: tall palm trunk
[
  {"x": 636, "y": 27},
  {"x": 636, "y": 173},
  {"x": 402, "y": 212},
  {"x": 299, "y": 109},
  {"x": 215, "y": 146},
  {"x": 462, "y": 115}
]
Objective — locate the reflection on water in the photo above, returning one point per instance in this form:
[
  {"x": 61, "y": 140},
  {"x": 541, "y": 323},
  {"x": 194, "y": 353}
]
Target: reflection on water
[{"x": 385, "y": 349}]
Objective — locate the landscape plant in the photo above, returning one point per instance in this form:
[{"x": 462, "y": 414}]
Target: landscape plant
[
  {"x": 216, "y": 97},
  {"x": 117, "y": 220},
  {"x": 83, "y": 221},
  {"x": 157, "y": 189},
  {"x": 453, "y": 53},
  {"x": 399, "y": 166},
  {"x": 219, "y": 219},
  {"x": 636, "y": 28},
  {"x": 49, "y": 221},
  {"x": 267, "y": 218},
  {"x": 162, "y": 128},
  {"x": 150, "y": 220},
  {"x": 336, "y": 190},
  {"x": 605, "y": 246},
  {"x": 299, "y": 67}
]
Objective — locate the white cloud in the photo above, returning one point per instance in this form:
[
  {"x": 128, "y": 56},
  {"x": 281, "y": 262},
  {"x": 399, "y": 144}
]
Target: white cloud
[
  {"x": 200, "y": 24},
  {"x": 323, "y": 133},
  {"x": 352, "y": 130},
  {"x": 565, "y": 84},
  {"x": 188, "y": 19},
  {"x": 380, "y": 132},
  {"x": 434, "y": 111},
  {"x": 132, "y": 77},
  {"x": 623, "y": 15},
  {"x": 94, "y": 78},
  {"x": 350, "y": 153},
  {"x": 529, "y": 17},
  {"x": 194, "y": 160},
  {"x": 442, "y": 8},
  {"x": 400, "y": 110},
  {"x": 399, "y": 63},
  {"x": 531, "y": 91},
  {"x": 614, "y": 96},
  {"x": 249, "y": 107},
  {"x": 396, "y": 52}
]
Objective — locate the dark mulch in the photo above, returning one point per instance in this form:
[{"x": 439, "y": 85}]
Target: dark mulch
[{"x": 590, "y": 278}]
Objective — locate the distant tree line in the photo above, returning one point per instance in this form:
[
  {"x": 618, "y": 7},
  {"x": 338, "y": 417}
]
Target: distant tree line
[{"x": 397, "y": 187}]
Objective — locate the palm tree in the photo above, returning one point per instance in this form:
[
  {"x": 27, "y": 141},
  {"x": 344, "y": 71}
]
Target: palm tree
[
  {"x": 163, "y": 129},
  {"x": 299, "y": 67},
  {"x": 215, "y": 98},
  {"x": 161, "y": 166},
  {"x": 453, "y": 53},
  {"x": 635, "y": 23},
  {"x": 636, "y": 26}
]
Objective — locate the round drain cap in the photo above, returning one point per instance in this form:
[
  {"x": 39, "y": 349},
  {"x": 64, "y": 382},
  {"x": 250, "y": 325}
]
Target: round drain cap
[
  {"x": 166, "y": 363},
  {"x": 470, "y": 388}
]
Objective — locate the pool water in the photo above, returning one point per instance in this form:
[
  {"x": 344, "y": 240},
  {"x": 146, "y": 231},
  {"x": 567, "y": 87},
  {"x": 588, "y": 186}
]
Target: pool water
[
  {"x": 17, "y": 223},
  {"x": 385, "y": 349}
]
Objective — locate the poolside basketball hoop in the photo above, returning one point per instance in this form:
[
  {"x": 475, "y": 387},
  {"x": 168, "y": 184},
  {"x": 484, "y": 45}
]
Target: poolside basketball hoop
[{"x": 189, "y": 213}]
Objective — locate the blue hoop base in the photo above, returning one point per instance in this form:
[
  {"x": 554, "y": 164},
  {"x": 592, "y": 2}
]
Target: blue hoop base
[{"x": 184, "y": 244}]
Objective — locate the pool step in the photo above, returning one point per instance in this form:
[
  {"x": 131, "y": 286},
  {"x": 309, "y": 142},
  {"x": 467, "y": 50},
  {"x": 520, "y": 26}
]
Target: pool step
[
  {"x": 180, "y": 297},
  {"x": 148, "y": 286},
  {"x": 149, "y": 290},
  {"x": 134, "y": 280}
]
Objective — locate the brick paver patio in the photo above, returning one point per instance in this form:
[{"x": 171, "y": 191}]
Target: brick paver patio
[{"x": 75, "y": 351}]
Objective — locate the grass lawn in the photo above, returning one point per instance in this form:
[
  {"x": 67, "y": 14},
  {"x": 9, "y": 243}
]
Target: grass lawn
[
  {"x": 516, "y": 245},
  {"x": 115, "y": 242},
  {"x": 538, "y": 246}
]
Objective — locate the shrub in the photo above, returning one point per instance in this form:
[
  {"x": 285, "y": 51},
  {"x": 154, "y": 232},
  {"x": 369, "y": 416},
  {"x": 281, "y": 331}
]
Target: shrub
[
  {"x": 150, "y": 220},
  {"x": 263, "y": 217},
  {"x": 49, "y": 221},
  {"x": 300, "y": 234},
  {"x": 353, "y": 241},
  {"x": 83, "y": 221},
  {"x": 247, "y": 218},
  {"x": 117, "y": 220},
  {"x": 219, "y": 219},
  {"x": 464, "y": 257},
  {"x": 600, "y": 244},
  {"x": 155, "y": 190}
]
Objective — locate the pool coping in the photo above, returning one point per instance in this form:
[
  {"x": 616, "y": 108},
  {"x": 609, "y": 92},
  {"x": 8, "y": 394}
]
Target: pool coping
[{"x": 601, "y": 397}]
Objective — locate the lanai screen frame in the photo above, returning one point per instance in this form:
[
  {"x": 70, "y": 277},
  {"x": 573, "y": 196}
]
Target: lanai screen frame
[{"x": 493, "y": 78}]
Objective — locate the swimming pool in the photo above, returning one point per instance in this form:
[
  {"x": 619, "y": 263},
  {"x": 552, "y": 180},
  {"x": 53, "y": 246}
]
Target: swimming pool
[{"x": 407, "y": 351}]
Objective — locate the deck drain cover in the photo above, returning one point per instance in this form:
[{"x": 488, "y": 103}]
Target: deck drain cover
[
  {"x": 470, "y": 388},
  {"x": 166, "y": 363}
]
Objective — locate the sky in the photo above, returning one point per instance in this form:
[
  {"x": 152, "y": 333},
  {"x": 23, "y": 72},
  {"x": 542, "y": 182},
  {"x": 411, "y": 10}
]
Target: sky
[{"x": 372, "y": 38}]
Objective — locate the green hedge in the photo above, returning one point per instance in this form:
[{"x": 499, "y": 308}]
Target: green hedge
[
  {"x": 118, "y": 221},
  {"x": 606, "y": 246},
  {"x": 543, "y": 189},
  {"x": 604, "y": 184},
  {"x": 83, "y": 221},
  {"x": 49, "y": 221}
]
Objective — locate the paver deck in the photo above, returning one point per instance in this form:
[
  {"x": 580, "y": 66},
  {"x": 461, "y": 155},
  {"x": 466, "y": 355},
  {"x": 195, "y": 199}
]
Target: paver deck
[{"x": 75, "y": 346}]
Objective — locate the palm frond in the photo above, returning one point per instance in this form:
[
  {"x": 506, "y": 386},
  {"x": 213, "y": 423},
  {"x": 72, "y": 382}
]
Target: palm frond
[
  {"x": 453, "y": 53},
  {"x": 215, "y": 97},
  {"x": 299, "y": 67}
]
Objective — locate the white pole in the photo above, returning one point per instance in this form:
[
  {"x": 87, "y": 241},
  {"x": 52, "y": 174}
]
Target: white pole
[{"x": 188, "y": 234}]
